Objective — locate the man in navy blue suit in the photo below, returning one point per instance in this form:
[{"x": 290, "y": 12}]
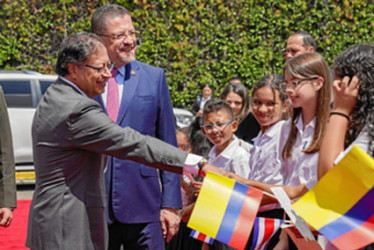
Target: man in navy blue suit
[{"x": 139, "y": 197}]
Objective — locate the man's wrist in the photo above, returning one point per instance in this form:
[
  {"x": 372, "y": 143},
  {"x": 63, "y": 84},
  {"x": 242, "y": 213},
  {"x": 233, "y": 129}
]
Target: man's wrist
[
  {"x": 10, "y": 208},
  {"x": 171, "y": 209}
]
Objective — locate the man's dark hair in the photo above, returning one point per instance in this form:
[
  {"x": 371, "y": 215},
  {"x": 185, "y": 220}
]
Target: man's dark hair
[
  {"x": 76, "y": 48},
  {"x": 99, "y": 18},
  {"x": 308, "y": 39},
  {"x": 214, "y": 105}
]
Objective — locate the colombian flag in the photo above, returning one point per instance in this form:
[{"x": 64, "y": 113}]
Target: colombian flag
[
  {"x": 225, "y": 210},
  {"x": 341, "y": 205}
]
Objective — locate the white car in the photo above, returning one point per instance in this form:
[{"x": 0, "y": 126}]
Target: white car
[
  {"x": 23, "y": 90},
  {"x": 183, "y": 117}
]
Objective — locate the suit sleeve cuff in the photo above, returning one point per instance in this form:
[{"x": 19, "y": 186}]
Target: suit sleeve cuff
[{"x": 190, "y": 165}]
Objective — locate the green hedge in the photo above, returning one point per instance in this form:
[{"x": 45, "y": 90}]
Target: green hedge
[{"x": 197, "y": 42}]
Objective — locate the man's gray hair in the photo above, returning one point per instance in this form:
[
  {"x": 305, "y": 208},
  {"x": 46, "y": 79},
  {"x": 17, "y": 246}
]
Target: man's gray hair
[
  {"x": 99, "y": 18},
  {"x": 75, "y": 48},
  {"x": 308, "y": 39}
]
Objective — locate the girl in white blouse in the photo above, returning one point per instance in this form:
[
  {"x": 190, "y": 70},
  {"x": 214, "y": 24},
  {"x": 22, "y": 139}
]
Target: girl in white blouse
[
  {"x": 352, "y": 116},
  {"x": 308, "y": 87}
]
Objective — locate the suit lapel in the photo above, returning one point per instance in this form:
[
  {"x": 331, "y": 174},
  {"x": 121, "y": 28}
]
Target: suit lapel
[{"x": 131, "y": 83}]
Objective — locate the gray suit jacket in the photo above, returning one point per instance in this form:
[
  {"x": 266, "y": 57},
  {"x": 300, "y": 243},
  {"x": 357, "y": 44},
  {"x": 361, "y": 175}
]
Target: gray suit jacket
[
  {"x": 7, "y": 167},
  {"x": 70, "y": 133}
]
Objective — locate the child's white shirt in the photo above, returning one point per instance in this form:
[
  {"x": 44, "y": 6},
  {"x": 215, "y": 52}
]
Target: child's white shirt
[
  {"x": 362, "y": 140},
  {"x": 233, "y": 159},
  {"x": 300, "y": 168},
  {"x": 265, "y": 161}
]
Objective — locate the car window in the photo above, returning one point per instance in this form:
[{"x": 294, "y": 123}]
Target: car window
[
  {"x": 17, "y": 93},
  {"x": 44, "y": 85}
]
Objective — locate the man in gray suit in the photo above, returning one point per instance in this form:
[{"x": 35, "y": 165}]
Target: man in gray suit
[{"x": 70, "y": 134}]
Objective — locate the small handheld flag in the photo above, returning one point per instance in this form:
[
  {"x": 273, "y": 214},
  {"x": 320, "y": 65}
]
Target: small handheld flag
[
  {"x": 263, "y": 230},
  {"x": 202, "y": 237},
  {"x": 341, "y": 205},
  {"x": 225, "y": 210}
]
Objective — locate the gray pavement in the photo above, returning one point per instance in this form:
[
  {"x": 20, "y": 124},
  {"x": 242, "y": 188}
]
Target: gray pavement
[{"x": 25, "y": 192}]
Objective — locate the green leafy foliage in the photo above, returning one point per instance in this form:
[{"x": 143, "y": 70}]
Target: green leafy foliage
[{"x": 195, "y": 41}]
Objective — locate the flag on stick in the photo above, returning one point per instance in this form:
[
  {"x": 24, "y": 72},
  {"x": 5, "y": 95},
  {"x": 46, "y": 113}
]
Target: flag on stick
[
  {"x": 263, "y": 230},
  {"x": 225, "y": 210},
  {"x": 202, "y": 237},
  {"x": 341, "y": 205}
]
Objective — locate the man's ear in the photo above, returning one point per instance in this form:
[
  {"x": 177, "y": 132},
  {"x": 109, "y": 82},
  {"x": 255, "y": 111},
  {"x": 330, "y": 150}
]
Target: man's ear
[
  {"x": 73, "y": 69},
  {"x": 310, "y": 49}
]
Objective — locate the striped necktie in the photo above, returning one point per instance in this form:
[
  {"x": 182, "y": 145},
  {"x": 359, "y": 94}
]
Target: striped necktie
[{"x": 112, "y": 104}]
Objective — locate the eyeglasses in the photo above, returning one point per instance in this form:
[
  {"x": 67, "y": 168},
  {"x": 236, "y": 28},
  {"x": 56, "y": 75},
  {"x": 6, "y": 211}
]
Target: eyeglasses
[
  {"x": 99, "y": 70},
  {"x": 121, "y": 36},
  {"x": 296, "y": 84},
  {"x": 220, "y": 126}
]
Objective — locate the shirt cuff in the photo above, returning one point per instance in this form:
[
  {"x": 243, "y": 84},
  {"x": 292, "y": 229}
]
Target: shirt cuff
[{"x": 190, "y": 165}]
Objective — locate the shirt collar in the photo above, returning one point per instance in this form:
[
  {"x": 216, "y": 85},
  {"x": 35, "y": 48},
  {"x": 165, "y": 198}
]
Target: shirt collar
[
  {"x": 206, "y": 99},
  {"x": 299, "y": 123},
  {"x": 227, "y": 152},
  {"x": 273, "y": 130},
  {"x": 73, "y": 85},
  {"x": 122, "y": 70}
]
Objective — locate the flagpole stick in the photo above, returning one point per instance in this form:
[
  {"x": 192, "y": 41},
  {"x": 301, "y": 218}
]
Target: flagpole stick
[{"x": 269, "y": 194}]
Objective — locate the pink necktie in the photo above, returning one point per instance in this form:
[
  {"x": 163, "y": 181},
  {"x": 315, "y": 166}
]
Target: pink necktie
[{"x": 112, "y": 104}]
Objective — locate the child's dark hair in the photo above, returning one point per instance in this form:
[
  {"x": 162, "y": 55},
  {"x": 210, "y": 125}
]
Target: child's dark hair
[
  {"x": 206, "y": 85},
  {"x": 186, "y": 131},
  {"x": 214, "y": 105},
  {"x": 359, "y": 60},
  {"x": 199, "y": 142},
  {"x": 275, "y": 82}
]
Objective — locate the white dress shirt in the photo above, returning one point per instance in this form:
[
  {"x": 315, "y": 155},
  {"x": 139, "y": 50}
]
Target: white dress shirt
[
  {"x": 265, "y": 157},
  {"x": 301, "y": 168},
  {"x": 265, "y": 160},
  {"x": 203, "y": 101},
  {"x": 362, "y": 140},
  {"x": 232, "y": 159}
]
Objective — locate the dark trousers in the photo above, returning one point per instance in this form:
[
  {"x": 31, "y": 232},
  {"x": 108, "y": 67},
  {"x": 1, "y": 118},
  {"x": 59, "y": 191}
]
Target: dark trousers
[
  {"x": 183, "y": 241},
  {"x": 136, "y": 236}
]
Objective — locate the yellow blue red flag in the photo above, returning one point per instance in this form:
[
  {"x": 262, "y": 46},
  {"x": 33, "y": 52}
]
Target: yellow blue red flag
[
  {"x": 341, "y": 205},
  {"x": 225, "y": 210}
]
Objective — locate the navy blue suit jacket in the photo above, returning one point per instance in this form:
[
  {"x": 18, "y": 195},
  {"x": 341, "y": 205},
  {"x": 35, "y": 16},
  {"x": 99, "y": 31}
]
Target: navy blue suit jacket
[{"x": 137, "y": 192}]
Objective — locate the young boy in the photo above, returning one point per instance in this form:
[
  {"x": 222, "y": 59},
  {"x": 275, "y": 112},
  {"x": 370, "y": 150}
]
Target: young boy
[{"x": 219, "y": 126}]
